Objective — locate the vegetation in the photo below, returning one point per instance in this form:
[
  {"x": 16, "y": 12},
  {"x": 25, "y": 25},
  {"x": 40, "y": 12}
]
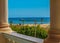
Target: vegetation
[{"x": 40, "y": 32}]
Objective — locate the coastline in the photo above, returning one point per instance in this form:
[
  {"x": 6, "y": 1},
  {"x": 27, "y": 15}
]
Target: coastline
[
  {"x": 45, "y": 26},
  {"x": 42, "y": 25}
]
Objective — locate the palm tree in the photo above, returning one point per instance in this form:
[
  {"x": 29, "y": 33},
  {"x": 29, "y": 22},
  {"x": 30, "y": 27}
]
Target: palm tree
[
  {"x": 22, "y": 22},
  {"x": 11, "y": 23},
  {"x": 35, "y": 22},
  {"x": 23, "y": 25},
  {"x": 42, "y": 20}
]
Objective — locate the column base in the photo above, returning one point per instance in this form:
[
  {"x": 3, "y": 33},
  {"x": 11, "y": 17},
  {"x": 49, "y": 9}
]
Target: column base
[
  {"x": 50, "y": 41},
  {"x": 53, "y": 36},
  {"x": 6, "y": 30},
  {"x": 53, "y": 39}
]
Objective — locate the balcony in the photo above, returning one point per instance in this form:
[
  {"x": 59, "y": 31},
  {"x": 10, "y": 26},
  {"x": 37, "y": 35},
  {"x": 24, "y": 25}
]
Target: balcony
[{"x": 9, "y": 36}]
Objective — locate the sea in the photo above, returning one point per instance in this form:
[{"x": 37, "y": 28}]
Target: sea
[{"x": 30, "y": 20}]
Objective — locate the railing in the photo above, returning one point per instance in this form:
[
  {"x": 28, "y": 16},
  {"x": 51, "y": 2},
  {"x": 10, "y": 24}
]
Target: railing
[{"x": 19, "y": 38}]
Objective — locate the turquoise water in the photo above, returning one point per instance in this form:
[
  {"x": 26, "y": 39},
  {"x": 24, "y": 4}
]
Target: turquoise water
[{"x": 30, "y": 20}]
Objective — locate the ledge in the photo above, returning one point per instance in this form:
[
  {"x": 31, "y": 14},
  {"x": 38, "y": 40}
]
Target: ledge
[{"x": 23, "y": 37}]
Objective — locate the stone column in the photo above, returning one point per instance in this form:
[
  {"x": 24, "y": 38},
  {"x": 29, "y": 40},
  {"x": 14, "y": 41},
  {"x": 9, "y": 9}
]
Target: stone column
[
  {"x": 54, "y": 32},
  {"x": 4, "y": 27}
]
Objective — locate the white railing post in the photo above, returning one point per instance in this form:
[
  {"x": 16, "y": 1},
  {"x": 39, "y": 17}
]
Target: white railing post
[{"x": 54, "y": 32}]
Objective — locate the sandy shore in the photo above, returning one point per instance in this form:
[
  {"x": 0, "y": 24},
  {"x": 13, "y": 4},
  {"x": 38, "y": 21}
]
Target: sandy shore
[
  {"x": 45, "y": 25},
  {"x": 42, "y": 25}
]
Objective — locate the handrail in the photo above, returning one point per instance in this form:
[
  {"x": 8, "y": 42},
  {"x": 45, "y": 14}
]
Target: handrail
[{"x": 19, "y": 38}]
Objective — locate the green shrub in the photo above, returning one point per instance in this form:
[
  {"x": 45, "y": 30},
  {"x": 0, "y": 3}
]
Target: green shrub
[{"x": 30, "y": 30}]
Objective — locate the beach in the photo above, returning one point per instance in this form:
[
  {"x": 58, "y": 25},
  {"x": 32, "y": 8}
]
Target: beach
[
  {"x": 31, "y": 21},
  {"x": 46, "y": 26},
  {"x": 42, "y": 25}
]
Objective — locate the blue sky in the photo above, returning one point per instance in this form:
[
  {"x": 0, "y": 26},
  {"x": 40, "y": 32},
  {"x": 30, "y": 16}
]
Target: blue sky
[{"x": 29, "y": 8}]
